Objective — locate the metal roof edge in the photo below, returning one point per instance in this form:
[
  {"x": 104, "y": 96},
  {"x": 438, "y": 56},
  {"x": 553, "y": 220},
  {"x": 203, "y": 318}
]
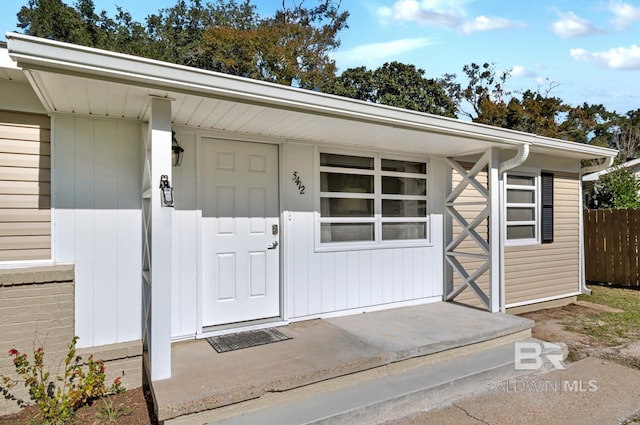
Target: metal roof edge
[
  {"x": 55, "y": 56},
  {"x": 595, "y": 176}
]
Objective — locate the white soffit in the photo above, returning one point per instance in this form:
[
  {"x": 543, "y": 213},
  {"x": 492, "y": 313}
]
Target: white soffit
[{"x": 81, "y": 80}]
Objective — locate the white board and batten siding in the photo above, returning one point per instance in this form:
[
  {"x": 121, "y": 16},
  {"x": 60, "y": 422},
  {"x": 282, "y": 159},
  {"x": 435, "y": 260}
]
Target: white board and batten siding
[
  {"x": 320, "y": 283},
  {"x": 185, "y": 261},
  {"x": 314, "y": 284},
  {"x": 25, "y": 187},
  {"x": 98, "y": 222}
]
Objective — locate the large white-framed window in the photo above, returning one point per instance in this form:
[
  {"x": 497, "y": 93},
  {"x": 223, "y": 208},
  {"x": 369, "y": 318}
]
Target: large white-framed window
[
  {"x": 522, "y": 205},
  {"x": 371, "y": 200}
]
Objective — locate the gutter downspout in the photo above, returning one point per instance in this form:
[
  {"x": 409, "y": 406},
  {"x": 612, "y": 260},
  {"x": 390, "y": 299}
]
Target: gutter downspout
[
  {"x": 605, "y": 164},
  {"x": 520, "y": 157}
]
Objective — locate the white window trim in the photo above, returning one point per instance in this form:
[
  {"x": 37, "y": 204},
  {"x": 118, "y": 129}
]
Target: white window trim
[
  {"x": 537, "y": 207},
  {"x": 377, "y": 196}
]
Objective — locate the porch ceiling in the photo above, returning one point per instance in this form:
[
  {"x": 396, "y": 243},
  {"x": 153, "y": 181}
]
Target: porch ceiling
[
  {"x": 79, "y": 80},
  {"x": 69, "y": 94}
]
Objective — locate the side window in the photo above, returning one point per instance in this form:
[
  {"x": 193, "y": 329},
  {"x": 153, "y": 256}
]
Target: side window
[{"x": 522, "y": 199}]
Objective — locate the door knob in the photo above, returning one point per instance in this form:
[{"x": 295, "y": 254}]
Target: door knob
[{"x": 274, "y": 245}]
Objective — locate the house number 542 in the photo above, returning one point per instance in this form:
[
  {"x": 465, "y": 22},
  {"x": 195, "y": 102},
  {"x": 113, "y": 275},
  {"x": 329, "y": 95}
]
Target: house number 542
[{"x": 298, "y": 182}]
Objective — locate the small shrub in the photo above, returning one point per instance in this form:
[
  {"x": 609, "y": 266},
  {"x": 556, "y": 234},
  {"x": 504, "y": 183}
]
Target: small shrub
[
  {"x": 617, "y": 189},
  {"x": 59, "y": 397}
]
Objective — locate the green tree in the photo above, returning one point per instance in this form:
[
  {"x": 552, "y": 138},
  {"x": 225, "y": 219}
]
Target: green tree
[
  {"x": 588, "y": 124},
  {"x": 52, "y": 19},
  {"x": 484, "y": 92},
  {"x": 395, "y": 84},
  {"x": 535, "y": 113},
  {"x": 617, "y": 189},
  {"x": 626, "y": 135},
  {"x": 290, "y": 48},
  {"x": 177, "y": 33}
]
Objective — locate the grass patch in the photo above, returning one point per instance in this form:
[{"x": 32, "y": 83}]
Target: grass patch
[{"x": 610, "y": 328}]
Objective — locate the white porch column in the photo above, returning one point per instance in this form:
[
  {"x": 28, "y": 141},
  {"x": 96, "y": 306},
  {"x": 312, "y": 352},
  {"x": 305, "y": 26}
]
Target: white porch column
[
  {"x": 495, "y": 226},
  {"x": 160, "y": 164}
]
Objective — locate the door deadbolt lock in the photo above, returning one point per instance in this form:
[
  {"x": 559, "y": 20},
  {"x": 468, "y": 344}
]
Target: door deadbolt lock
[{"x": 274, "y": 229}]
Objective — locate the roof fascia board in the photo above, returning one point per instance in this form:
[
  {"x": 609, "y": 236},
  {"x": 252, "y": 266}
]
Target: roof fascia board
[{"x": 53, "y": 56}]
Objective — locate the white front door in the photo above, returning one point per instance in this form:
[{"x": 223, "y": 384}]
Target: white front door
[{"x": 240, "y": 231}]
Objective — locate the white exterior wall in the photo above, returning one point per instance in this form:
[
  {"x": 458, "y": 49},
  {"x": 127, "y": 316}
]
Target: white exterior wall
[
  {"x": 185, "y": 264},
  {"x": 318, "y": 283},
  {"x": 98, "y": 221},
  {"x": 313, "y": 283}
]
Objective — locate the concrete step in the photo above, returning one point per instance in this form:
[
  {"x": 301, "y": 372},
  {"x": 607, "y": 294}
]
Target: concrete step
[
  {"x": 397, "y": 390},
  {"x": 324, "y": 355}
]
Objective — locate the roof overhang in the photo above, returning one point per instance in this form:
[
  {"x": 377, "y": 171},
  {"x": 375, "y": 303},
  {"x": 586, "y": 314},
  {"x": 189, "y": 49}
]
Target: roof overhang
[
  {"x": 633, "y": 165},
  {"x": 80, "y": 80}
]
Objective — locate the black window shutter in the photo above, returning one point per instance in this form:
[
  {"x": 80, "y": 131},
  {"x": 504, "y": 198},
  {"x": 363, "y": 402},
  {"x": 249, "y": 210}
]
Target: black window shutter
[{"x": 547, "y": 207}]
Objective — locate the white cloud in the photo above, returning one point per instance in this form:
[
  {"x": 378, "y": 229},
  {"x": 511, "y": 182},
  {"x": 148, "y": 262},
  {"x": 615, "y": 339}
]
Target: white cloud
[
  {"x": 446, "y": 13},
  {"x": 374, "y": 53},
  {"x": 624, "y": 14},
  {"x": 618, "y": 58},
  {"x": 571, "y": 25},
  {"x": 442, "y": 13},
  {"x": 518, "y": 71},
  {"x": 488, "y": 23}
]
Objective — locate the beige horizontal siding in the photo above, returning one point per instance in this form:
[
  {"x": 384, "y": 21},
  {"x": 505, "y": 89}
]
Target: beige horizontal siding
[
  {"x": 25, "y": 189},
  {"x": 18, "y": 215},
  {"x": 549, "y": 270},
  {"x": 25, "y": 229},
  {"x": 24, "y": 147},
  {"x": 25, "y": 174},
  {"x": 22, "y": 160}
]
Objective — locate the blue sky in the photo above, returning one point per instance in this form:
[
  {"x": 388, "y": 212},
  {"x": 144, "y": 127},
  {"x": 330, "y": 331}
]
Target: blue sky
[{"x": 588, "y": 49}]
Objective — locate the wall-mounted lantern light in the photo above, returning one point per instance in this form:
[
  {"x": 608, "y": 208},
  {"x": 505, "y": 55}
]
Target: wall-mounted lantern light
[
  {"x": 177, "y": 150},
  {"x": 166, "y": 191}
]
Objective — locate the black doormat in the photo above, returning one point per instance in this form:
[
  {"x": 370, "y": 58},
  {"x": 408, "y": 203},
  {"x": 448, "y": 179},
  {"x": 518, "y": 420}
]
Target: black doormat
[{"x": 232, "y": 342}]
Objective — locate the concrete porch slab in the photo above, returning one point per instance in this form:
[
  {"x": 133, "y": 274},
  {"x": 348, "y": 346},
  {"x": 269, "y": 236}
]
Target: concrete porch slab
[
  {"x": 320, "y": 351},
  {"x": 425, "y": 329}
]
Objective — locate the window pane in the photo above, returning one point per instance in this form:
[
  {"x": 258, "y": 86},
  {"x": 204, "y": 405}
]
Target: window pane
[
  {"x": 346, "y": 232},
  {"x": 346, "y": 207},
  {"x": 404, "y": 166},
  {"x": 352, "y": 183},
  {"x": 397, "y": 208},
  {"x": 346, "y": 161},
  {"x": 520, "y": 214},
  {"x": 401, "y": 231},
  {"x": 521, "y": 232},
  {"x": 521, "y": 180},
  {"x": 515, "y": 196},
  {"x": 403, "y": 186}
]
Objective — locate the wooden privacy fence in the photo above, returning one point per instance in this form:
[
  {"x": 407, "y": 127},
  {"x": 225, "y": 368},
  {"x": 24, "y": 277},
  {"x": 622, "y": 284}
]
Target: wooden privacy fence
[{"x": 611, "y": 246}]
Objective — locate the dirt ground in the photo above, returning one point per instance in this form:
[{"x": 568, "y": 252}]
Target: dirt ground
[
  {"x": 130, "y": 408},
  {"x": 558, "y": 324}
]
